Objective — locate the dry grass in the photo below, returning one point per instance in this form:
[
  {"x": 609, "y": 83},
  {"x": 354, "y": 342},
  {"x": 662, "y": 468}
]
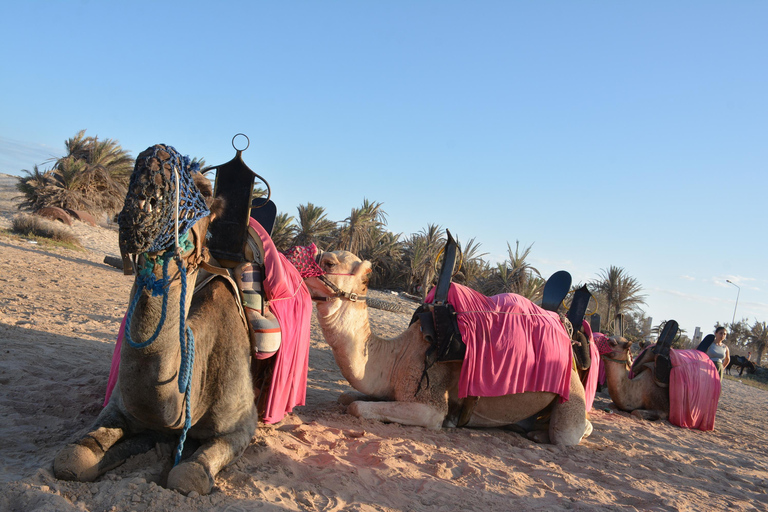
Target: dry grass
[
  {"x": 750, "y": 380},
  {"x": 45, "y": 231}
]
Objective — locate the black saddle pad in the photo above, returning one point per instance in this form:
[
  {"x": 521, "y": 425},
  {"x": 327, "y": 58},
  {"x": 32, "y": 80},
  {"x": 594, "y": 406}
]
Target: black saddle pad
[
  {"x": 264, "y": 212},
  {"x": 706, "y": 342},
  {"x": 555, "y": 290}
]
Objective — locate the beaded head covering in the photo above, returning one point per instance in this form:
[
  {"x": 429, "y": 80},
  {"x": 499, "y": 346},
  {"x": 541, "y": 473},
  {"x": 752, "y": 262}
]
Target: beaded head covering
[
  {"x": 303, "y": 258},
  {"x": 147, "y": 220}
]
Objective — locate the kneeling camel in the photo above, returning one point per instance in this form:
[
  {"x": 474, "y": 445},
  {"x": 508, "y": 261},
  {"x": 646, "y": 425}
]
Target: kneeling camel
[
  {"x": 197, "y": 385},
  {"x": 388, "y": 372}
]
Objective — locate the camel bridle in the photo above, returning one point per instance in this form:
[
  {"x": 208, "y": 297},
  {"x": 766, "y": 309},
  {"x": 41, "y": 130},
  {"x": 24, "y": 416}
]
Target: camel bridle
[{"x": 338, "y": 293}]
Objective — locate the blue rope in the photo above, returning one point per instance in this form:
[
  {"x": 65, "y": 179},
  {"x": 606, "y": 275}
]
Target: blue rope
[
  {"x": 147, "y": 280},
  {"x": 186, "y": 366}
]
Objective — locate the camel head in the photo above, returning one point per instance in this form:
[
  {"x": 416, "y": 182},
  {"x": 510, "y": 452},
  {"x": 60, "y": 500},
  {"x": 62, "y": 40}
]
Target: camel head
[
  {"x": 345, "y": 282},
  {"x": 620, "y": 349},
  {"x": 147, "y": 221}
]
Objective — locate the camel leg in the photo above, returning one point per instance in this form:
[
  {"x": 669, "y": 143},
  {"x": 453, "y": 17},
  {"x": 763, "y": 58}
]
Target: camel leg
[
  {"x": 405, "y": 413},
  {"x": 197, "y": 472},
  {"x": 83, "y": 460},
  {"x": 649, "y": 415},
  {"x": 569, "y": 424},
  {"x": 347, "y": 397}
]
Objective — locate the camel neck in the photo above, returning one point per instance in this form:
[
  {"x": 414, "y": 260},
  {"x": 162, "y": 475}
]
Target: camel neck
[{"x": 365, "y": 360}]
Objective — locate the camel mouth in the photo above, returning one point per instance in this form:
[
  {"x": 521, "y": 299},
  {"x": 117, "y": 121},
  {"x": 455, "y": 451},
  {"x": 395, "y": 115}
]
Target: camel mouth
[{"x": 319, "y": 291}]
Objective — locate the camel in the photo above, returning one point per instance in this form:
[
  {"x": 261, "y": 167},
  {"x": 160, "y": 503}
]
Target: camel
[
  {"x": 387, "y": 373},
  {"x": 150, "y": 402},
  {"x": 641, "y": 395}
]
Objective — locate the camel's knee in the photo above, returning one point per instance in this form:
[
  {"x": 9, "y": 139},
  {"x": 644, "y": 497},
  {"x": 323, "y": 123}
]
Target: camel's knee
[{"x": 570, "y": 433}]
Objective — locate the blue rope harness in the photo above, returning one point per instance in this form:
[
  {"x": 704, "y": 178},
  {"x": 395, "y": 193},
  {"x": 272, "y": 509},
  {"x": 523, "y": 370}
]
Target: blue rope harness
[{"x": 146, "y": 280}]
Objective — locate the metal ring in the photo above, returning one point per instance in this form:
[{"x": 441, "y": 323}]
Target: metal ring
[{"x": 246, "y": 138}]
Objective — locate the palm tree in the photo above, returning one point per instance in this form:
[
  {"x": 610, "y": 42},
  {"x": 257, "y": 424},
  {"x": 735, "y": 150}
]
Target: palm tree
[
  {"x": 92, "y": 176},
  {"x": 283, "y": 232},
  {"x": 361, "y": 227},
  {"x": 38, "y": 189},
  {"x": 421, "y": 252},
  {"x": 515, "y": 275},
  {"x": 473, "y": 267},
  {"x": 386, "y": 256},
  {"x": 313, "y": 226},
  {"x": 618, "y": 293}
]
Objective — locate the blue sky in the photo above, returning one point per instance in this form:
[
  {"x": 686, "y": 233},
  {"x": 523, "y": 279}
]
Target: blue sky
[{"x": 603, "y": 133}]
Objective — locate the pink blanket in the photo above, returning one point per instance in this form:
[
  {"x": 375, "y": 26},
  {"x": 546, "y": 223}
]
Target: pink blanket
[
  {"x": 291, "y": 304},
  {"x": 593, "y": 374},
  {"x": 513, "y": 345},
  {"x": 694, "y": 390}
]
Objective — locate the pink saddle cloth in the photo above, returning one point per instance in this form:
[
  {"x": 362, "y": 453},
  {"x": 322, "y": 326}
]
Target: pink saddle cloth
[
  {"x": 290, "y": 301},
  {"x": 594, "y": 372},
  {"x": 513, "y": 346},
  {"x": 694, "y": 390}
]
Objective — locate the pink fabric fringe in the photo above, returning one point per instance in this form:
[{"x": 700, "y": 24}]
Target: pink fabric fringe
[
  {"x": 513, "y": 345},
  {"x": 593, "y": 374}
]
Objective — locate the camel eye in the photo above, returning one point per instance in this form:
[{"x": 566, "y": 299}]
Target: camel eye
[{"x": 328, "y": 265}]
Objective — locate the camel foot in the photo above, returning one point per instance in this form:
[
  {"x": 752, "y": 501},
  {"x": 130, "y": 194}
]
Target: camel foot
[
  {"x": 190, "y": 476},
  {"x": 348, "y": 397},
  {"x": 647, "y": 415},
  {"x": 77, "y": 463},
  {"x": 538, "y": 436}
]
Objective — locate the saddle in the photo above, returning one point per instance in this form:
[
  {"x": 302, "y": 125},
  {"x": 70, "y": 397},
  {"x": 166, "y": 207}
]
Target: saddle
[
  {"x": 439, "y": 324},
  {"x": 438, "y": 318},
  {"x": 240, "y": 250}
]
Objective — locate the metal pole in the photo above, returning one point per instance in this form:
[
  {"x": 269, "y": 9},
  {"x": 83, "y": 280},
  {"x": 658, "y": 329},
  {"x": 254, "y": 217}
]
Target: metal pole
[{"x": 737, "y": 300}]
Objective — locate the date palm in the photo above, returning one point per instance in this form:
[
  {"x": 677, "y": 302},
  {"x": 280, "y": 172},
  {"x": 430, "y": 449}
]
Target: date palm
[
  {"x": 283, "y": 232},
  {"x": 386, "y": 254},
  {"x": 92, "y": 176},
  {"x": 515, "y": 275},
  {"x": 618, "y": 292},
  {"x": 313, "y": 226},
  {"x": 421, "y": 252},
  {"x": 473, "y": 267},
  {"x": 359, "y": 229}
]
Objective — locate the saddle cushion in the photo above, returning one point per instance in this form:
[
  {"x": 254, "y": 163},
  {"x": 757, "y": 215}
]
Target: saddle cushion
[
  {"x": 694, "y": 390},
  {"x": 513, "y": 345}
]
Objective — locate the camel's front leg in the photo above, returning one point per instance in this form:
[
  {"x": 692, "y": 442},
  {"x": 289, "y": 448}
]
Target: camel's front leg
[
  {"x": 569, "y": 424},
  {"x": 83, "y": 460},
  {"x": 198, "y": 472},
  {"x": 406, "y": 413}
]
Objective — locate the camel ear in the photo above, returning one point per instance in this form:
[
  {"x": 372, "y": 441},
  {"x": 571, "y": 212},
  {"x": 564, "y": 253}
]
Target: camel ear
[{"x": 363, "y": 269}]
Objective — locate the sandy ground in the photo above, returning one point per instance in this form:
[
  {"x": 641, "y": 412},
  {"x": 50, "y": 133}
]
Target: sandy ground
[{"x": 59, "y": 315}]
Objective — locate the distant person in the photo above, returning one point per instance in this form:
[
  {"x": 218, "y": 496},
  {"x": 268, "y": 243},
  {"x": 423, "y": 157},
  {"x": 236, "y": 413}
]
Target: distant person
[
  {"x": 718, "y": 351},
  {"x": 749, "y": 356}
]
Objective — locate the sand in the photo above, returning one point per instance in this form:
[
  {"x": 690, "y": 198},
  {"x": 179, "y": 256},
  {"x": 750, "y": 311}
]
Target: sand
[{"x": 59, "y": 314}]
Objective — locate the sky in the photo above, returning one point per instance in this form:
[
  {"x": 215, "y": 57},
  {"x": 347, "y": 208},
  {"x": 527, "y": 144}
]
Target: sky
[{"x": 602, "y": 133}]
